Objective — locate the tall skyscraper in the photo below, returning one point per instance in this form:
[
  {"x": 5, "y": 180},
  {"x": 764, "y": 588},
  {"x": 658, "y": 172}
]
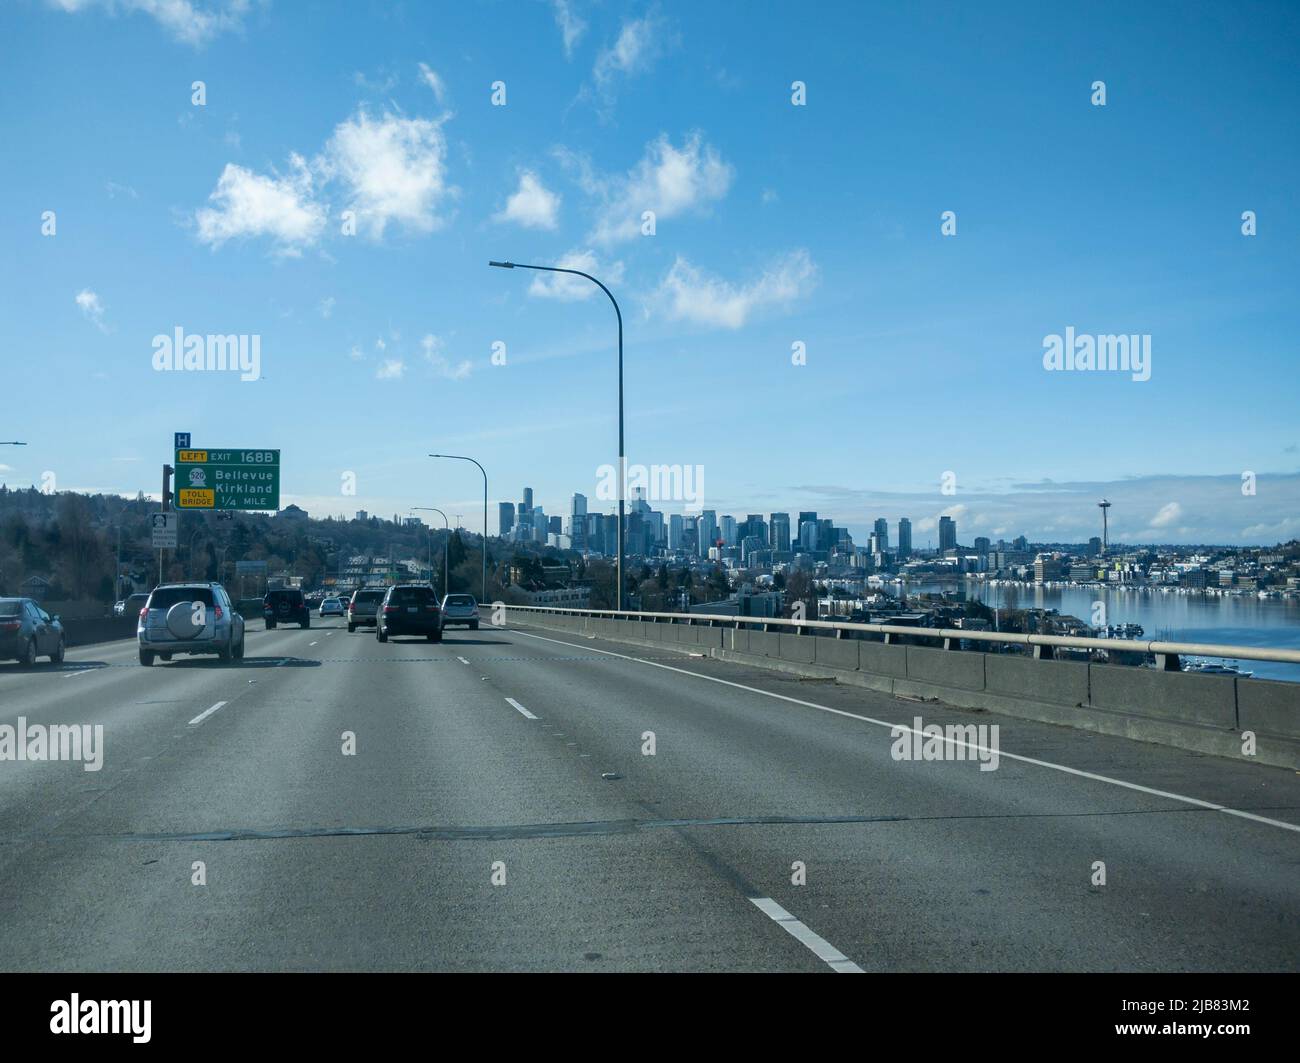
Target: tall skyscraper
[
  {"x": 947, "y": 534},
  {"x": 881, "y": 532},
  {"x": 708, "y": 530},
  {"x": 904, "y": 538},
  {"x": 780, "y": 532},
  {"x": 676, "y": 529},
  {"x": 527, "y": 505},
  {"x": 728, "y": 530},
  {"x": 808, "y": 535},
  {"x": 505, "y": 518},
  {"x": 579, "y": 505}
]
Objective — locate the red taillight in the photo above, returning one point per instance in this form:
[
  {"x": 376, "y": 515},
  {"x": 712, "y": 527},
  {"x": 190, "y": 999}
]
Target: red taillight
[
  {"x": 218, "y": 611},
  {"x": 390, "y": 609},
  {"x": 10, "y": 626},
  {"x": 144, "y": 612}
]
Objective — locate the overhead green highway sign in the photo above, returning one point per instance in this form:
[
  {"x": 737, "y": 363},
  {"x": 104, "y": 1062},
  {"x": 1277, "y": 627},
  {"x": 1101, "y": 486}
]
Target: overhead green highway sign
[{"x": 227, "y": 479}]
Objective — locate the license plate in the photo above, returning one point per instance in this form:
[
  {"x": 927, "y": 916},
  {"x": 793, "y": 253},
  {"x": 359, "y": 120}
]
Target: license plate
[{"x": 412, "y": 608}]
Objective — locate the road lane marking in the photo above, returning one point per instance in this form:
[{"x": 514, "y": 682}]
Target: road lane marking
[
  {"x": 815, "y": 943},
  {"x": 206, "y": 713},
  {"x": 312, "y": 643},
  {"x": 84, "y": 671},
  {"x": 526, "y": 713},
  {"x": 1196, "y": 801},
  {"x": 462, "y": 660}
]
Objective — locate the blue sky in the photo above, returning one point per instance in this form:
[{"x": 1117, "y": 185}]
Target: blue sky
[{"x": 775, "y": 224}]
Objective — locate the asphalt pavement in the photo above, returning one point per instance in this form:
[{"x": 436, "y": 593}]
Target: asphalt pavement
[{"x": 528, "y": 800}]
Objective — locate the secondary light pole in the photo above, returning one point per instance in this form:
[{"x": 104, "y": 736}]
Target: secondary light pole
[
  {"x": 446, "y": 547},
  {"x": 622, "y": 457},
  {"x": 461, "y": 457}
]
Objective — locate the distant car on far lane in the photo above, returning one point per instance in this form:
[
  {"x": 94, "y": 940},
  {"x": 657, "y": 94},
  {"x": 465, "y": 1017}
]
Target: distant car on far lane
[
  {"x": 331, "y": 607},
  {"x": 460, "y": 609}
]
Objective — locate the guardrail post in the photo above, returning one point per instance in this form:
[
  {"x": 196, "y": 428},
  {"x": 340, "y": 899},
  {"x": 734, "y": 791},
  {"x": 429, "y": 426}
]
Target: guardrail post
[
  {"x": 890, "y": 638},
  {"x": 1168, "y": 662},
  {"x": 951, "y": 644},
  {"x": 1044, "y": 653}
]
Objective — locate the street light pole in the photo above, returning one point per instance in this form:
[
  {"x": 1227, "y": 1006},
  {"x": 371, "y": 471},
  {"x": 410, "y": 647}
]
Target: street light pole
[
  {"x": 446, "y": 547},
  {"x": 461, "y": 457},
  {"x": 622, "y": 456}
]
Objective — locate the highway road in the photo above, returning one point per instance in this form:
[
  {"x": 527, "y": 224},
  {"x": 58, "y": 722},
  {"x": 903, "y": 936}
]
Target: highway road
[{"x": 519, "y": 755}]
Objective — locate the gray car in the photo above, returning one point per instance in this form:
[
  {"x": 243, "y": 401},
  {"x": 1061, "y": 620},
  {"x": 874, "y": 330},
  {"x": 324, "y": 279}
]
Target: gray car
[
  {"x": 27, "y": 631},
  {"x": 189, "y": 618}
]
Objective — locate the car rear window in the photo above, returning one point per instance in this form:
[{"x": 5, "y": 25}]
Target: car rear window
[
  {"x": 10, "y": 606},
  {"x": 166, "y": 597},
  {"x": 411, "y": 596},
  {"x": 459, "y": 599},
  {"x": 284, "y": 596},
  {"x": 369, "y": 596}
]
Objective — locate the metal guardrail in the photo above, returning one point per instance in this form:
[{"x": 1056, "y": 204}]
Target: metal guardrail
[{"x": 1167, "y": 654}]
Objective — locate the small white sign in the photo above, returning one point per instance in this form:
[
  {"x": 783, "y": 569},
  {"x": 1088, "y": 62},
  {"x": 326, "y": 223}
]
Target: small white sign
[{"x": 165, "y": 526}]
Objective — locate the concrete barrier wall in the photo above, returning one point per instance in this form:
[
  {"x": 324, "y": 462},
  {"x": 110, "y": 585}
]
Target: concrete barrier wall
[
  {"x": 104, "y": 629},
  {"x": 1182, "y": 696},
  {"x": 1198, "y": 712}
]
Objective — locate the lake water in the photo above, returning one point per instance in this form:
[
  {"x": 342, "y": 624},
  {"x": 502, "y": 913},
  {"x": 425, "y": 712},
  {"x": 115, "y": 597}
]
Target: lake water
[{"x": 1235, "y": 620}]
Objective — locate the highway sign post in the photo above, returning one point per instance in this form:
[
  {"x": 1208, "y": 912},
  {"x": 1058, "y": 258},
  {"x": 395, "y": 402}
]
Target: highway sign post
[{"x": 227, "y": 479}]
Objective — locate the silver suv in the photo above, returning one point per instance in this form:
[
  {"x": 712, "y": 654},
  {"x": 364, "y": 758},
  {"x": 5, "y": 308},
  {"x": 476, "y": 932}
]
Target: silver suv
[
  {"x": 189, "y": 618},
  {"x": 363, "y": 607}
]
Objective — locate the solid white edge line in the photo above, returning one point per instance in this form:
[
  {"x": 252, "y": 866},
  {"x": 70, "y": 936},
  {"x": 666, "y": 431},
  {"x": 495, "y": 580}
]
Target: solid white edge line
[
  {"x": 206, "y": 713},
  {"x": 1196, "y": 801},
  {"x": 808, "y": 938},
  {"x": 521, "y": 708}
]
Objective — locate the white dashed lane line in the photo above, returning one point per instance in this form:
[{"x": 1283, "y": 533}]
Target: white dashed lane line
[
  {"x": 522, "y": 710},
  {"x": 815, "y": 943},
  {"x": 462, "y": 660},
  {"x": 205, "y": 714}
]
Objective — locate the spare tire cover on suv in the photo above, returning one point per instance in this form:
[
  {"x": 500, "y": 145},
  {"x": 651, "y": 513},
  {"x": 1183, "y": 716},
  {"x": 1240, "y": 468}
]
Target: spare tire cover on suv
[{"x": 180, "y": 621}]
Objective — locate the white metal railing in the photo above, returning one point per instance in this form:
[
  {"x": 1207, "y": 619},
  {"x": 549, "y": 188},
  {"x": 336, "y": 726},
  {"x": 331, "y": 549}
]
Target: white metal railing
[{"x": 1168, "y": 652}]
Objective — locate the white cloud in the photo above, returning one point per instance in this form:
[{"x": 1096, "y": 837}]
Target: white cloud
[
  {"x": 667, "y": 180},
  {"x": 434, "y": 81},
  {"x": 1170, "y": 513},
  {"x": 532, "y": 206},
  {"x": 394, "y": 169},
  {"x": 248, "y": 204},
  {"x": 571, "y": 26},
  {"x": 357, "y": 354},
  {"x": 93, "y": 307},
  {"x": 189, "y": 22},
  {"x": 691, "y": 295},
  {"x": 433, "y": 354},
  {"x": 391, "y": 369},
  {"x": 326, "y": 306},
  {"x": 639, "y": 44},
  {"x": 567, "y": 288}
]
